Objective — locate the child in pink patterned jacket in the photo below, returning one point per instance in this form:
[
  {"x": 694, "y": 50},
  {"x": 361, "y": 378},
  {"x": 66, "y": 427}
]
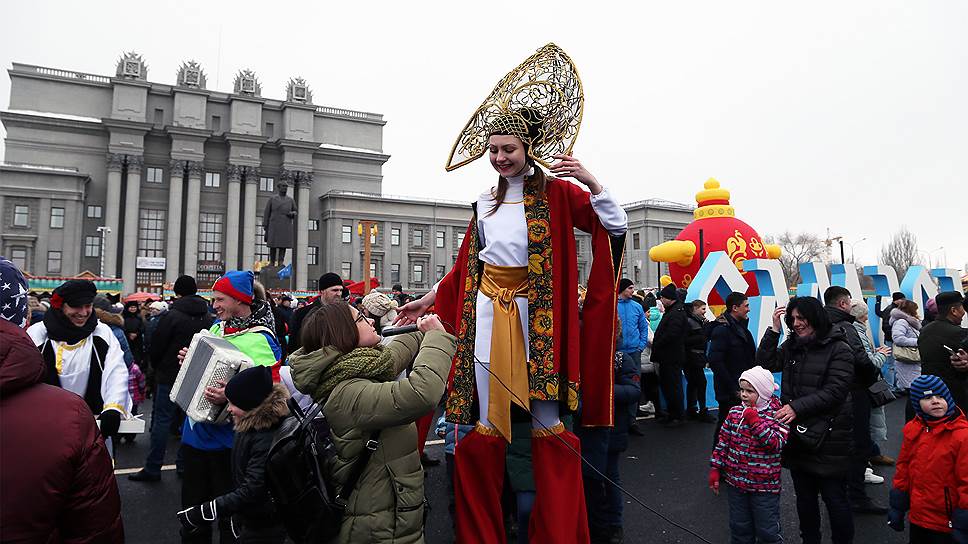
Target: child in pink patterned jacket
[{"x": 747, "y": 457}]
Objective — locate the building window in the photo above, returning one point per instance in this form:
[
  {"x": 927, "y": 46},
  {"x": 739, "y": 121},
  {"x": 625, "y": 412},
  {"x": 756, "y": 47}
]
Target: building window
[
  {"x": 94, "y": 212},
  {"x": 635, "y": 240},
  {"x": 267, "y": 185},
  {"x": 149, "y": 278},
  {"x": 346, "y": 270},
  {"x": 270, "y": 130},
  {"x": 417, "y": 237},
  {"x": 372, "y": 269},
  {"x": 213, "y": 179},
  {"x": 153, "y": 175},
  {"x": 460, "y": 239},
  {"x": 92, "y": 246},
  {"x": 205, "y": 280},
  {"x": 53, "y": 262},
  {"x": 347, "y": 234},
  {"x": 441, "y": 270},
  {"x": 418, "y": 272},
  {"x": 151, "y": 233},
  {"x": 313, "y": 255},
  {"x": 21, "y": 216},
  {"x": 440, "y": 238},
  {"x": 313, "y": 224},
  {"x": 394, "y": 273},
  {"x": 159, "y": 117},
  {"x": 210, "y": 237},
  {"x": 261, "y": 249},
  {"x": 18, "y": 256},
  {"x": 216, "y": 123},
  {"x": 57, "y": 218},
  {"x": 394, "y": 237}
]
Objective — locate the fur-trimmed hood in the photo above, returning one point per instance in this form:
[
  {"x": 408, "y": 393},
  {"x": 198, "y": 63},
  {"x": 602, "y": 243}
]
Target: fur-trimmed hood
[
  {"x": 109, "y": 319},
  {"x": 268, "y": 414},
  {"x": 897, "y": 315}
]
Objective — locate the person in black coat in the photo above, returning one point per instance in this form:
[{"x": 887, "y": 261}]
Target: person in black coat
[
  {"x": 695, "y": 367},
  {"x": 669, "y": 350},
  {"x": 187, "y": 315},
  {"x": 818, "y": 368},
  {"x": 946, "y": 330},
  {"x": 330, "y": 288},
  {"x": 258, "y": 409},
  {"x": 837, "y": 305},
  {"x": 627, "y": 392},
  {"x": 732, "y": 351}
]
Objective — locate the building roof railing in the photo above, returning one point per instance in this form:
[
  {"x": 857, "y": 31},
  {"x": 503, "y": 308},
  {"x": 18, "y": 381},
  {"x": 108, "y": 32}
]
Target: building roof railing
[
  {"x": 47, "y": 167},
  {"x": 349, "y": 113},
  {"x": 660, "y": 203},
  {"x": 57, "y": 72}
]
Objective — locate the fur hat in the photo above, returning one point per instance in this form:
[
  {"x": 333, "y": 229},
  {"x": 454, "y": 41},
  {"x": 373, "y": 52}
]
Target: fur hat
[
  {"x": 378, "y": 304},
  {"x": 762, "y": 381},
  {"x": 185, "y": 286},
  {"x": 250, "y": 387},
  {"x": 236, "y": 284}
]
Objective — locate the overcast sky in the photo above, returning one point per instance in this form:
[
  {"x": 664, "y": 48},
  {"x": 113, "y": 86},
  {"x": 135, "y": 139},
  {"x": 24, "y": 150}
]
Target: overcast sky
[{"x": 851, "y": 116}]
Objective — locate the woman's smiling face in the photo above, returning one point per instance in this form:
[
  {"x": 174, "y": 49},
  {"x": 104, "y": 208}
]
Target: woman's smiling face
[{"x": 507, "y": 155}]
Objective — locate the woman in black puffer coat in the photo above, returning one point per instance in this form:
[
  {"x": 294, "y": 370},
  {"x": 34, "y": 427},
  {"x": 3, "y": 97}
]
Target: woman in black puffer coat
[{"x": 817, "y": 366}]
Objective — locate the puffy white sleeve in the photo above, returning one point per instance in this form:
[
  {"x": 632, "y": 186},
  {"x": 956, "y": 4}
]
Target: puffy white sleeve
[
  {"x": 114, "y": 379},
  {"x": 610, "y": 213}
]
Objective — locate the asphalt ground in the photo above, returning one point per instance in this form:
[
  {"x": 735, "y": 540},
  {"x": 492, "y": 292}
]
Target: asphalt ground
[{"x": 666, "y": 469}]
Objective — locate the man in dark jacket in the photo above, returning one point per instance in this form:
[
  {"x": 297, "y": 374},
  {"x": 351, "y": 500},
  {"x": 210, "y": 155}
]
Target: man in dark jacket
[
  {"x": 56, "y": 484},
  {"x": 837, "y": 305},
  {"x": 732, "y": 351},
  {"x": 695, "y": 368},
  {"x": 944, "y": 331},
  {"x": 669, "y": 350},
  {"x": 330, "y": 290},
  {"x": 187, "y": 315}
]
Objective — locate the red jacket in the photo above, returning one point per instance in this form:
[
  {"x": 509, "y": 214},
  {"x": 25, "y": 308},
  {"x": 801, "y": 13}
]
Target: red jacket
[
  {"x": 933, "y": 470},
  {"x": 56, "y": 481}
]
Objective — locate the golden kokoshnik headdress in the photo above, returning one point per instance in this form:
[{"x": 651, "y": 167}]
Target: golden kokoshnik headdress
[{"x": 541, "y": 101}]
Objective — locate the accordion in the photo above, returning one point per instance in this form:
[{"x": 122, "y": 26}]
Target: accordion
[{"x": 210, "y": 359}]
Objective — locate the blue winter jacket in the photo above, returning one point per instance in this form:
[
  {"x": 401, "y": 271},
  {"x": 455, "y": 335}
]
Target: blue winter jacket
[{"x": 635, "y": 326}]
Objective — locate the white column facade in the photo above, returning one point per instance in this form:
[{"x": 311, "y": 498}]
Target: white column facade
[
  {"x": 232, "y": 219},
  {"x": 132, "y": 206},
  {"x": 301, "y": 252},
  {"x": 112, "y": 215},
  {"x": 195, "y": 170},
  {"x": 248, "y": 218},
  {"x": 173, "y": 240}
]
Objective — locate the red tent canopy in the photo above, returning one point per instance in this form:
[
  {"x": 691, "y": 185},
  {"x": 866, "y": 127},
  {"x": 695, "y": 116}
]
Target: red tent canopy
[{"x": 356, "y": 288}]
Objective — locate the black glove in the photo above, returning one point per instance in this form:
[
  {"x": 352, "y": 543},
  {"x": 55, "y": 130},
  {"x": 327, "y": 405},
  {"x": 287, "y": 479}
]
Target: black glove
[
  {"x": 895, "y": 520},
  {"x": 197, "y": 517},
  {"x": 899, "y": 503},
  {"x": 110, "y": 421}
]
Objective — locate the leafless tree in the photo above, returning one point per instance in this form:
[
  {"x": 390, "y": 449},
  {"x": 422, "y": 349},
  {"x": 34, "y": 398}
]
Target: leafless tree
[
  {"x": 798, "y": 248},
  {"x": 901, "y": 252}
]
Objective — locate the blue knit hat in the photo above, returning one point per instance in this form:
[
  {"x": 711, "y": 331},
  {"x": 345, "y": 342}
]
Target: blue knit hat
[
  {"x": 236, "y": 284},
  {"x": 13, "y": 293},
  {"x": 926, "y": 386}
]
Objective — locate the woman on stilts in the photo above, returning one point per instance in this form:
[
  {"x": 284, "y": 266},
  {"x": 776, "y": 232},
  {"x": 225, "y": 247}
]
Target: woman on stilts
[{"x": 509, "y": 300}]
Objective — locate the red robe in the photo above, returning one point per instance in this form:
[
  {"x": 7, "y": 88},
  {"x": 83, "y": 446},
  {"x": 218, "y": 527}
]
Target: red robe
[{"x": 569, "y": 359}]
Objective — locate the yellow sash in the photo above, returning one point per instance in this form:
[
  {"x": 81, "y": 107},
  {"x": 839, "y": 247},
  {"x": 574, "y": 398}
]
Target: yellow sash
[{"x": 509, "y": 365}]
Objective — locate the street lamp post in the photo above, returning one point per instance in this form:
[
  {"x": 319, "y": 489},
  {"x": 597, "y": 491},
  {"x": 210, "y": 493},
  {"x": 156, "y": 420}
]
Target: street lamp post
[
  {"x": 852, "y": 248},
  {"x": 104, "y": 232}
]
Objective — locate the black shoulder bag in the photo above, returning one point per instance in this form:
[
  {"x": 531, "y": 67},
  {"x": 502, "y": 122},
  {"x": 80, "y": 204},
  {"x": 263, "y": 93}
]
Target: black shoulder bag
[{"x": 811, "y": 433}]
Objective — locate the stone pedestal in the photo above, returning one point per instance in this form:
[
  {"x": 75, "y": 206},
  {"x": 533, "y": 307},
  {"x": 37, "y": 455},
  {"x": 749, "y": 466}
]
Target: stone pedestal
[{"x": 269, "y": 278}]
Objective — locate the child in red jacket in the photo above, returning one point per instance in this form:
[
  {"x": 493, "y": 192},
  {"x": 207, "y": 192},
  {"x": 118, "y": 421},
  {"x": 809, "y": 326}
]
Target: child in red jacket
[
  {"x": 747, "y": 457},
  {"x": 931, "y": 482}
]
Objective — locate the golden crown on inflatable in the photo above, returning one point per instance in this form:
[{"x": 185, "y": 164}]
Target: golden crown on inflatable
[{"x": 714, "y": 228}]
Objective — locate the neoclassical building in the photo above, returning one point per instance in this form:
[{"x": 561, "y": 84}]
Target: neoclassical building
[{"x": 145, "y": 181}]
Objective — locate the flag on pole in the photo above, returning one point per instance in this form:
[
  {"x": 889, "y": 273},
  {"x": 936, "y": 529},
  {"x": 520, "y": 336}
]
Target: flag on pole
[{"x": 285, "y": 272}]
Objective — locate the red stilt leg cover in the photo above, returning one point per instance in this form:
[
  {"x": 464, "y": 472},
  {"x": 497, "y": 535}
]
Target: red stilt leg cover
[
  {"x": 559, "y": 506},
  {"x": 478, "y": 482},
  {"x": 423, "y": 427}
]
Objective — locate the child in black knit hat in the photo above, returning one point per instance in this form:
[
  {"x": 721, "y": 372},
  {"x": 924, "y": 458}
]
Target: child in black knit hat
[{"x": 258, "y": 407}]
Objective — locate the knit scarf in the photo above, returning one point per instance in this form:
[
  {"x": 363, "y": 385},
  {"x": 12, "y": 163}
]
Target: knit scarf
[
  {"x": 261, "y": 316},
  {"x": 366, "y": 363},
  {"x": 60, "y": 329}
]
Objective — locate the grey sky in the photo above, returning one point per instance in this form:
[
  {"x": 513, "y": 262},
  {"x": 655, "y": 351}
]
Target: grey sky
[{"x": 815, "y": 116}]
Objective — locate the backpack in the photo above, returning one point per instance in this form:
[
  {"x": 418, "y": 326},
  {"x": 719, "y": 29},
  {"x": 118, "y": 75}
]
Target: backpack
[{"x": 299, "y": 475}]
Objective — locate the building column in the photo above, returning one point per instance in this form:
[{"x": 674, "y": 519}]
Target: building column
[
  {"x": 248, "y": 218},
  {"x": 301, "y": 254},
  {"x": 176, "y": 179},
  {"x": 112, "y": 215},
  {"x": 132, "y": 205},
  {"x": 232, "y": 219},
  {"x": 195, "y": 170}
]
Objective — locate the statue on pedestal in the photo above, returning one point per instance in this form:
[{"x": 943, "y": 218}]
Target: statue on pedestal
[{"x": 277, "y": 220}]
